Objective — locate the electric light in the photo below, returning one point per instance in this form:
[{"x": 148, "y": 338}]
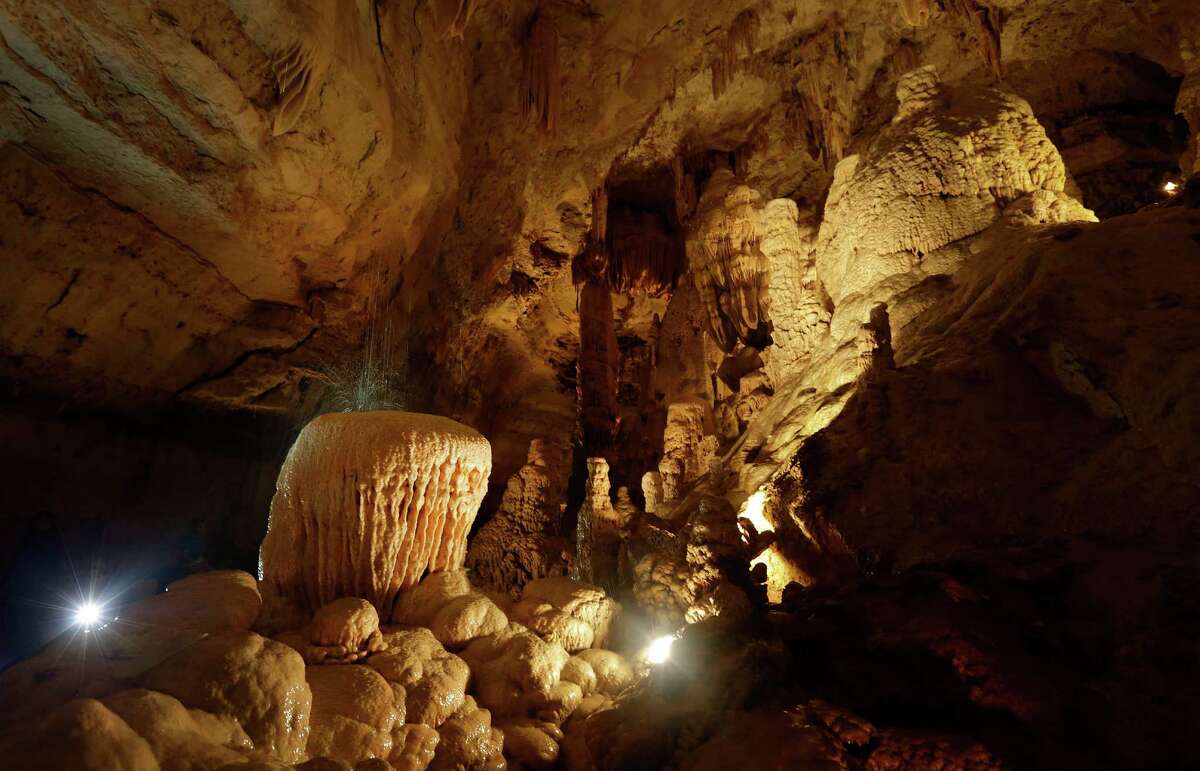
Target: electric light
[
  {"x": 753, "y": 511},
  {"x": 87, "y": 614},
  {"x": 660, "y": 649},
  {"x": 1170, "y": 187}
]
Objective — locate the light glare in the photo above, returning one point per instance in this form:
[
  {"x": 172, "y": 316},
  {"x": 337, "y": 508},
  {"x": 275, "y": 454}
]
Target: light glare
[
  {"x": 752, "y": 510},
  {"x": 1170, "y": 187},
  {"x": 660, "y": 649},
  {"x": 87, "y": 614}
]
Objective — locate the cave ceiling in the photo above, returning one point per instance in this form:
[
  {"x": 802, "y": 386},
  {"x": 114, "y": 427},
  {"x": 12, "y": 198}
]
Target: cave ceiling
[{"x": 208, "y": 202}]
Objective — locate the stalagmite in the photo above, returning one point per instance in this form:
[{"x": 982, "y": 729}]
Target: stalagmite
[
  {"x": 521, "y": 541},
  {"x": 728, "y": 267},
  {"x": 367, "y": 502}
]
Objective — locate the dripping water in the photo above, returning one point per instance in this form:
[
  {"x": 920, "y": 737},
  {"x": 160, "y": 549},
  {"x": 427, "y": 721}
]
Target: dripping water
[{"x": 369, "y": 378}]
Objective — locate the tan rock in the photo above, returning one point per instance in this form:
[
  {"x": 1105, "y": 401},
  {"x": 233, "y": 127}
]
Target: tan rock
[
  {"x": 353, "y": 713},
  {"x": 451, "y": 608},
  {"x": 258, "y": 682},
  {"x": 181, "y": 739},
  {"x": 141, "y": 636},
  {"x": 569, "y": 613},
  {"x": 612, "y": 671},
  {"x": 533, "y": 744},
  {"x": 81, "y": 734},
  {"x": 517, "y": 674},
  {"x": 930, "y": 179},
  {"x": 469, "y": 742},
  {"x": 395, "y": 490},
  {"x": 434, "y": 680},
  {"x": 207, "y": 602},
  {"x": 578, "y": 671},
  {"x": 344, "y": 630},
  {"x": 413, "y": 747},
  {"x": 519, "y": 543}
]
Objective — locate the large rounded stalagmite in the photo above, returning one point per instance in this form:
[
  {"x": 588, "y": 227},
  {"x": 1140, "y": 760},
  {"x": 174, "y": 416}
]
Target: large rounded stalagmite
[{"x": 367, "y": 501}]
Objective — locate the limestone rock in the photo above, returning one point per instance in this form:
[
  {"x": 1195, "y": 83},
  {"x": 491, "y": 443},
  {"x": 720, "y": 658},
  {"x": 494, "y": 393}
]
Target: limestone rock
[
  {"x": 343, "y": 630},
  {"x": 652, "y": 490},
  {"x": 434, "y": 680},
  {"x": 612, "y": 671},
  {"x": 929, "y": 180},
  {"x": 569, "y": 613},
  {"x": 144, "y": 634},
  {"x": 396, "y": 491},
  {"x": 180, "y": 738},
  {"x": 353, "y": 713},
  {"x": 688, "y": 446},
  {"x": 517, "y": 674},
  {"x": 258, "y": 682},
  {"x": 661, "y": 587},
  {"x": 469, "y": 742},
  {"x": 520, "y": 542},
  {"x": 81, "y": 734},
  {"x": 205, "y": 602},
  {"x": 531, "y": 743},
  {"x": 413, "y": 747},
  {"x": 580, "y": 672},
  {"x": 729, "y": 269},
  {"x": 596, "y": 527},
  {"x": 451, "y": 608}
]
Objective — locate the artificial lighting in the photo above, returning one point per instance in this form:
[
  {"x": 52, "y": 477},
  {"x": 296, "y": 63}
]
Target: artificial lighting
[
  {"x": 752, "y": 510},
  {"x": 1170, "y": 187},
  {"x": 660, "y": 649},
  {"x": 87, "y": 614}
]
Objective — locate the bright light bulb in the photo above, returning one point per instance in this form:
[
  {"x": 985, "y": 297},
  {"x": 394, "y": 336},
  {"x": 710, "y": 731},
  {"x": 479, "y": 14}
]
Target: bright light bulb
[
  {"x": 87, "y": 614},
  {"x": 1170, "y": 187},
  {"x": 660, "y": 650}
]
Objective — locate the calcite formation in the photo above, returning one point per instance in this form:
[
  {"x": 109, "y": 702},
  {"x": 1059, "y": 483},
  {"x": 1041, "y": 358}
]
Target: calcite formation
[
  {"x": 368, "y": 502},
  {"x": 688, "y": 447},
  {"x": 354, "y": 713},
  {"x": 790, "y": 324},
  {"x": 948, "y": 165},
  {"x": 730, "y": 271},
  {"x": 434, "y": 681},
  {"x": 595, "y": 527},
  {"x": 447, "y": 604},
  {"x": 345, "y": 630},
  {"x": 566, "y": 612},
  {"x": 521, "y": 541},
  {"x": 260, "y": 682}
]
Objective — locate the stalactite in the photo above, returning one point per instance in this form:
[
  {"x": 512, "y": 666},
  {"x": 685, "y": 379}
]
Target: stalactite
[
  {"x": 462, "y": 17},
  {"x": 631, "y": 252},
  {"x": 916, "y": 12},
  {"x": 541, "y": 81},
  {"x": 825, "y": 88},
  {"x": 600, "y": 214},
  {"x": 644, "y": 255},
  {"x": 686, "y": 196},
  {"x": 986, "y": 23},
  {"x": 739, "y": 37}
]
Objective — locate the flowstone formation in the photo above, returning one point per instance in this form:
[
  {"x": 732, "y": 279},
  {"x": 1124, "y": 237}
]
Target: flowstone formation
[
  {"x": 223, "y": 672},
  {"x": 367, "y": 502}
]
